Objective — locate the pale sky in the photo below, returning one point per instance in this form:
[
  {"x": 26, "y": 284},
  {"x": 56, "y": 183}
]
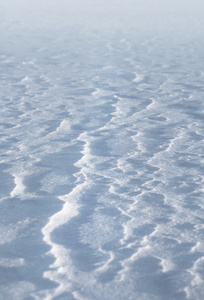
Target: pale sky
[{"x": 146, "y": 14}]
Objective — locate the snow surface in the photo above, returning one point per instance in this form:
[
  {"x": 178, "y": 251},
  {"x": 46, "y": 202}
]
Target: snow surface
[{"x": 102, "y": 136}]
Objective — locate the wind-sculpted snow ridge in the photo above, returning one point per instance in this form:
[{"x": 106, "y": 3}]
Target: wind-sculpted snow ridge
[{"x": 102, "y": 168}]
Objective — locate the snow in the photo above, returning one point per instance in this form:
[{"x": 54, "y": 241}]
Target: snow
[{"x": 102, "y": 138}]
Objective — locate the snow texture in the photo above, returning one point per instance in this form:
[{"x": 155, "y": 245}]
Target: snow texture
[{"x": 102, "y": 138}]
